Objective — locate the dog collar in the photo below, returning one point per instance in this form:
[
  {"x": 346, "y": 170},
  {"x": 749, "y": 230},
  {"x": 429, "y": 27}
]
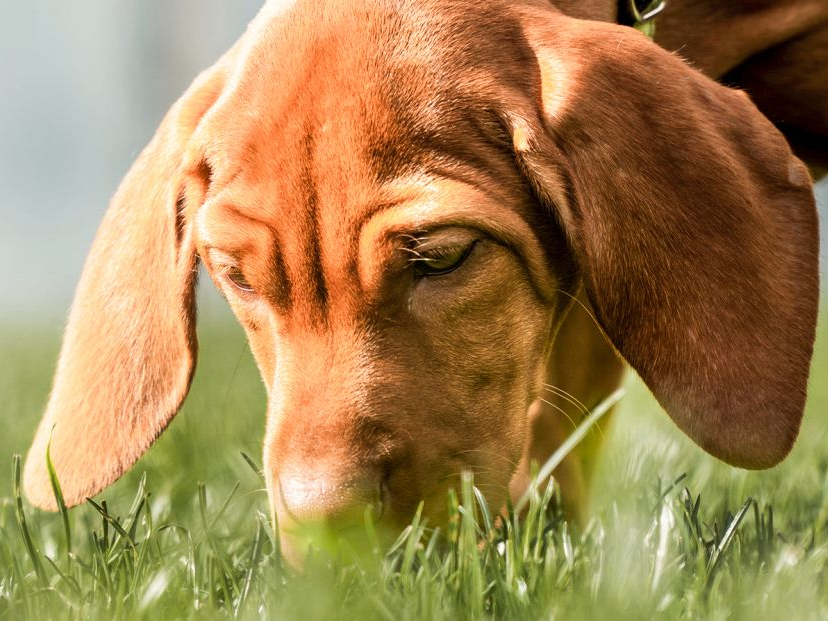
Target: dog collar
[{"x": 643, "y": 14}]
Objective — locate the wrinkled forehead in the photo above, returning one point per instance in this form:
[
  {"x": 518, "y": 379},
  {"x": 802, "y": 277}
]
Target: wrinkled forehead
[{"x": 328, "y": 103}]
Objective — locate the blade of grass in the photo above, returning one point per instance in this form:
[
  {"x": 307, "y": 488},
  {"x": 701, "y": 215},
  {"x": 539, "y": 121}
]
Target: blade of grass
[
  {"x": 667, "y": 491},
  {"x": 69, "y": 580},
  {"x": 253, "y": 465},
  {"x": 568, "y": 445},
  {"x": 137, "y": 504},
  {"x": 224, "y": 505},
  {"x": 230, "y": 585},
  {"x": 58, "y": 493},
  {"x": 108, "y": 519},
  {"x": 21, "y": 522},
  {"x": 488, "y": 523},
  {"x": 255, "y": 555},
  {"x": 727, "y": 538}
]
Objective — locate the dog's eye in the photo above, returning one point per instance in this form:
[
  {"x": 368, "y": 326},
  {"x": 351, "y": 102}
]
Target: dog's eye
[
  {"x": 235, "y": 276},
  {"x": 439, "y": 261}
]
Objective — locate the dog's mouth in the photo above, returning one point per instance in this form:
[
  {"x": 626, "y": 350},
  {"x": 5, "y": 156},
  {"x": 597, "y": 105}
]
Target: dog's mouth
[
  {"x": 345, "y": 507},
  {"x": 356, "y": 531}
]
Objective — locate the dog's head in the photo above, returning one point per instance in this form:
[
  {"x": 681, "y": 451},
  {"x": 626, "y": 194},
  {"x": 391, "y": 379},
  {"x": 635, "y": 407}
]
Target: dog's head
[{"x": 399, "y": 201}]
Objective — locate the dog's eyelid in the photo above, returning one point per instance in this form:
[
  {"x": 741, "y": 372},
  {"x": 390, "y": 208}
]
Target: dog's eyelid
[
  {"x": 442, "y": 260},
  {"x": 222, "y": 259},
  {"x": 229, "y": 270},
  {"x": 441, "y": 238},
  {"x": 237, "y": 279},
  {"x": 445, "y": 251}
]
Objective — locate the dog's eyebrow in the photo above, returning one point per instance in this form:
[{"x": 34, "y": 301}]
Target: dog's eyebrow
[
  {"x": 421, "y": 214},
  {"x": 416, "y": 217},
  {"x": 209, "y": 227}
]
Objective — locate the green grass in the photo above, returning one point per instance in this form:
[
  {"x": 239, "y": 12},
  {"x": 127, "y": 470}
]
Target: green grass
[{"x": 675, "y": 533}]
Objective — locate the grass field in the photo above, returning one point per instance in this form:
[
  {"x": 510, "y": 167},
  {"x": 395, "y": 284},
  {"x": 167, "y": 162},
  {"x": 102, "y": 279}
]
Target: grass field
[{"x": 720, "y": 544}]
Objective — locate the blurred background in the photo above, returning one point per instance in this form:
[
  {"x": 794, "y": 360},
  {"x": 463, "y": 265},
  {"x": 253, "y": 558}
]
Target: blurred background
[{"x": 83, "y": 86}]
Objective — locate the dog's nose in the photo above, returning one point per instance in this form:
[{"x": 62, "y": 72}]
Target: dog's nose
[{"x": 325, "y": 499}]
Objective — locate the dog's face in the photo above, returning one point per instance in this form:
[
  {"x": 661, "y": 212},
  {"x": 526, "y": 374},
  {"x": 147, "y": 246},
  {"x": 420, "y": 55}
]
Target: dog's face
[
  {"x": 378, "y": 331},
  {"x": 380, "y": 248},
  {"x": 399, "y": 201}
]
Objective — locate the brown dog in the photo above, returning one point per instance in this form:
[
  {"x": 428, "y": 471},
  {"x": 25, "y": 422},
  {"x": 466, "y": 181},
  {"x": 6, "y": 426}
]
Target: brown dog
[{"x": 401, "y": 199}]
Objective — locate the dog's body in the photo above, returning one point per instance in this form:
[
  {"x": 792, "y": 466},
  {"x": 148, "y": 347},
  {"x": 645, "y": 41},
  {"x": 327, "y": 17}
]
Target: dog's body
[{"x": 401, "y": 200}]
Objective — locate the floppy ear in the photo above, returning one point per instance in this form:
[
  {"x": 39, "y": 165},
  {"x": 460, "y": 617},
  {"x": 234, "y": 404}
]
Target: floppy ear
[
  {"x": 129, "y": 349},
  {"x": 693, "y": 225}
]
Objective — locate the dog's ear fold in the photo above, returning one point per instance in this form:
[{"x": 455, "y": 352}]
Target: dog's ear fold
[
  {"x": 693, "y": 225},
  {"x": 129, "y": 349}
]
